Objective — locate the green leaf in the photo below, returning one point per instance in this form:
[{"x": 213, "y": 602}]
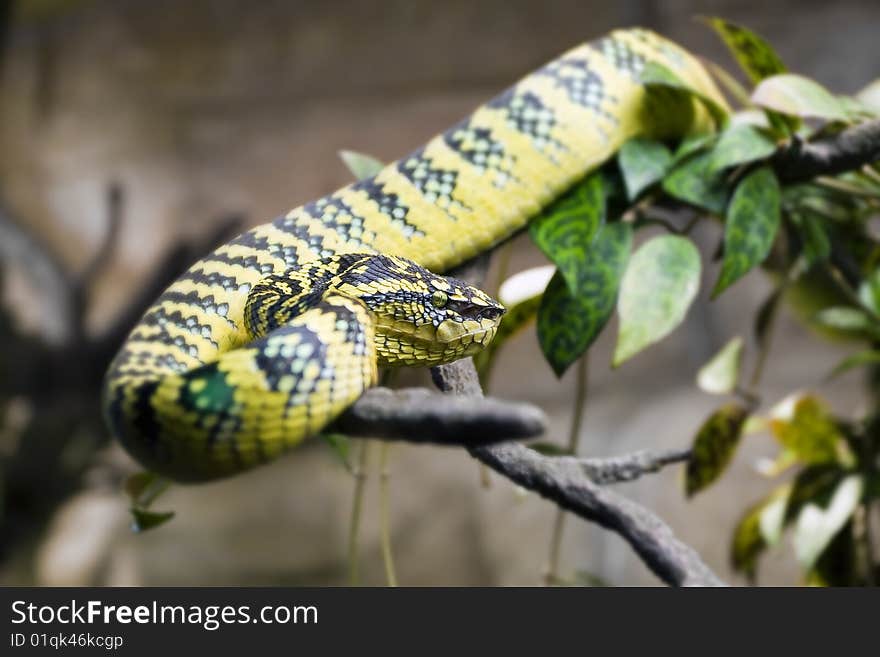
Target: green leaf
[
  {"x": 692, "y": 181},
  {"x": 772, "y": 518},
  {"x": 713, "y": 447},
  {"x": 643, "y": 162},
  {"x": 361, "y": 165},
  {"x": 655, "y": 74},
  {"x": 568, "y": 323},
  {"x": 720, "y": 375},
  {"x": 738, "y": 144},
  {"x": 816, "y": 527},
  {"x": 692, "y": 144},
  {"x": 578, "y": 578},
  {"x": 517, "y": 317},
  {"x": 870, "y": 95},
  {"x": 586, "y": 578},
  {"x": 803, "y": 425},
  {"x": 566, "y": 229},
  {"x": 868, "y": 357},
  {"x": 748, "y": 542},
  {"x": 521, "y": 294},
  {"x": 762, "y": 525},
  {"x": 814, "y": 483},
  {"x": 341, "y": 446},
  {"x": 728, "y": 82},
  {"x": 846, "y": 318},
  {"x": 755, "y": 56},
  {"x": 869, "y": 291},
  {"x": 143, "y": 488},
  {"x": 549, "y": 449},
  {"x": 660, "y": 283},
  {"x": 836, "y": 566},
  {"x": 856, "y": 110},
  {"x": 142, "y": 520},
  {"x": 752, "y": 223},
  {"x": 813, "y": 235},
  {"x": 526, "y": 284},
  {"x": 795, "y": 95},
  {"x": 767, "y": 467}
]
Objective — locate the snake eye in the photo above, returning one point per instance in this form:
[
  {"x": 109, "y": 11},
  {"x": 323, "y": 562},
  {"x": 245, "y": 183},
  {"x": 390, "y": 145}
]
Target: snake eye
[{"x": 439, "y": 299}]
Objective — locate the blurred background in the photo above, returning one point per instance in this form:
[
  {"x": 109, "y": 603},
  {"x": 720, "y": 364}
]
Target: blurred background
[{"x": 135, "y": 135}]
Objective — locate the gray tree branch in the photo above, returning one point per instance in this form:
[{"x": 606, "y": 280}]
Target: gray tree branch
[
  {"x": 418, "y": 415},
  {"x": 616, "y": 469},
  {"x": 848, "y": 150},
  {"x": 565, "y": 482}
]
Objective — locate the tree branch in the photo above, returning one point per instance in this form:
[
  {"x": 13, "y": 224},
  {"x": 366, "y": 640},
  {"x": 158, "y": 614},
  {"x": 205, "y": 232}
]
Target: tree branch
[
  {"x": 629, "y": 467},
  {"x": 846, "y": 151},
  {"x": 564, "y": 482},
  {"x": 418, "y": 415},
  {"x": 175, "y": 261}
]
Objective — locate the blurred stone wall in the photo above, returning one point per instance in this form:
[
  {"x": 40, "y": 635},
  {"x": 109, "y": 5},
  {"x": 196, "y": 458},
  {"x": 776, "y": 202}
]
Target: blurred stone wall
[{"x": 208, "y": 106}]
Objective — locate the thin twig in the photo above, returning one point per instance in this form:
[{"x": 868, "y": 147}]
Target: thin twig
[
  {"x": 115, "y": 207},
  {"x": 764, "y": 341},
  {"x": 385, "y": 515},
  {"x": 842, "y": 186},
  {"x": 360, "y": 479},
  {"x": 502, "y": 257},
  {"x": 616, "y": 469},
  {"x": 846, "y": 288},
  {"x": 869, "y": 172},
  {"x": 580, "y": 402},
  {"x": 82, "y": 284}
]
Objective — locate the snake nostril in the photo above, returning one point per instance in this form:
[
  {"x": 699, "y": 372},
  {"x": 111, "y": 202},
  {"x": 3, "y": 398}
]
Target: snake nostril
[{"x": 492, "y": 313}]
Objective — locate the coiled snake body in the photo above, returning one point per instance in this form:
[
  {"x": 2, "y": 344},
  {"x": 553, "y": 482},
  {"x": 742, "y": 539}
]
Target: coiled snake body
[{"x": 270, "y": 337}]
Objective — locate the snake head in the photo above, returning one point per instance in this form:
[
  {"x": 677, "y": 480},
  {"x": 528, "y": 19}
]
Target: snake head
[{"x": 422, "y": 319}]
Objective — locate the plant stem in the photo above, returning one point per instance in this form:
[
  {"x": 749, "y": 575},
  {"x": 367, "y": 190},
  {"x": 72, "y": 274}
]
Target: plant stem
[
  {"x": 868, "y": 171},
  {"x": 869, "y": 467},
  {"x": 846, "y": 188},
  {"x": 766, "y": 339},
  {"x": 503, "y": 256},
  {"x": 867, "y": 544},
  {"x": 847, "y": 290},
  {"x": 385, "y": 515},
  {"x": 763, "y": 352},
  {"x": 360, "y": 475},
  {"x": 580, "y": 402}
]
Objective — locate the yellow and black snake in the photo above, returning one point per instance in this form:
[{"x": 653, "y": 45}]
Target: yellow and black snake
[{"x": 270, "y": 337}]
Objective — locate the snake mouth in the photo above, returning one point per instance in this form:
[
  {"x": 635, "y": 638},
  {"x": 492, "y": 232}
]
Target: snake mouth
[{"x": 426, "y": 346}]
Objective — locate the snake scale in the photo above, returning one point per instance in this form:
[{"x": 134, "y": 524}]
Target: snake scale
[{"x": 266, "y": 340}]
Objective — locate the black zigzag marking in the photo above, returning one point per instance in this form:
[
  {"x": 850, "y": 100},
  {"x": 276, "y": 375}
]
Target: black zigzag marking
[
  {"x": 435, "y": 184},
  {"x": 621, "y": 56},
  {"x": 583, "y": 85},
  {"x": 300, "y": 230},
  {"x": 526, "y": 113},
  {"x": 188, "y": 323},
  {"x": 477, "y": 146},
  {"x": 390, "y": 205},
  {"x": 337, "y": 215}
]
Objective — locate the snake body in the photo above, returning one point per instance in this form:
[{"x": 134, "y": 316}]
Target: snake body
[{"x": 270, "y": 337}]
